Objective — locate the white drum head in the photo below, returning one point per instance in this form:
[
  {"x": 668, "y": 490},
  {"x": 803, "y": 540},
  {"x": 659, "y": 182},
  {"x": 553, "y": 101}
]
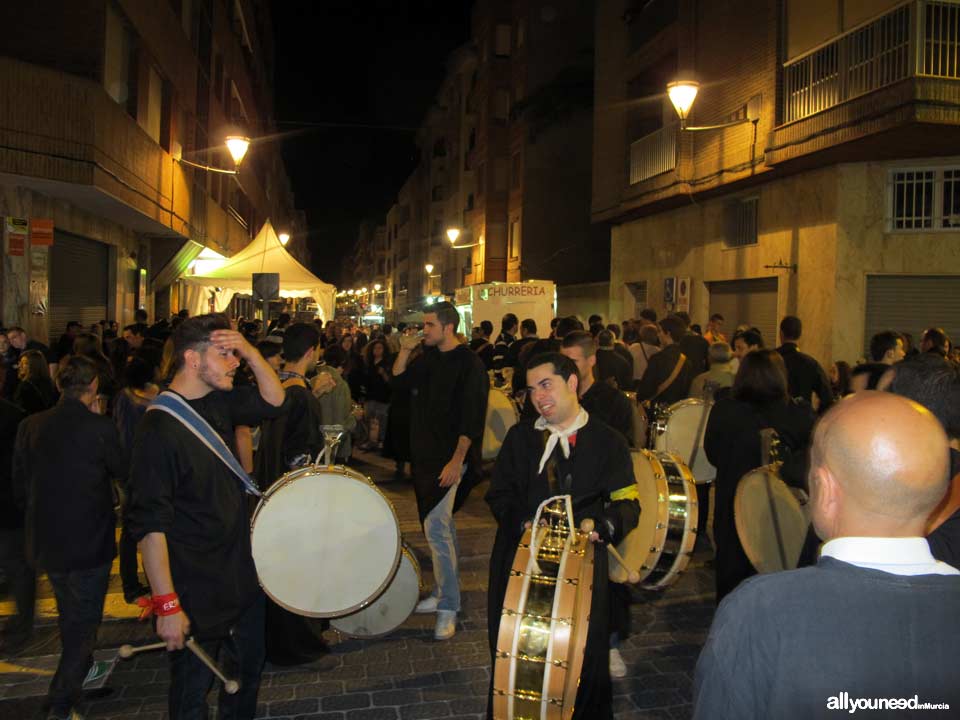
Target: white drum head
[
  {"x": 326, "y": 542},
  {"x": 772, "y": 540},
  {"x": 643, "y": 544},
  {"x": 391, "y": 609},
  {"x": 680, "y": 437},
  {"x": 501, "y": 416}
]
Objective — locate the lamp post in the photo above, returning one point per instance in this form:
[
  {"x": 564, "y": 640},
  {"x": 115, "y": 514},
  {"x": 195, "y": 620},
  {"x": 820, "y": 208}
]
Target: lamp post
[
  {"x": 237, "y": 146},
  {"x": 682, "y": 94}
]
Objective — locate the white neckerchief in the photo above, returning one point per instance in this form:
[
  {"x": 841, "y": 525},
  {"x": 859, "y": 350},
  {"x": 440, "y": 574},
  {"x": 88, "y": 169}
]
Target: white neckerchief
[{"x": 558, "y": 435}]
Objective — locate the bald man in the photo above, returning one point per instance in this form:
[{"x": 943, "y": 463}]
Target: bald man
[{"x": 877, "y": 616}]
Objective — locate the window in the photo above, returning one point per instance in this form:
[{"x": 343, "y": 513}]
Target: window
[
  {"x": 502, "y": 41},
  {"x": 151, "y": 121},
  {"x": 514, "y": 240},
  {"x": 515, "y": 171},
  {"x": 469, "y": 202},
  {"x": 120, "y": 62},
  {"x": 218, "y": 77},
  {"x": 437, "y": 193},
  {"x": 924, "y": 199},
  {"x": 743, "y": 222}
]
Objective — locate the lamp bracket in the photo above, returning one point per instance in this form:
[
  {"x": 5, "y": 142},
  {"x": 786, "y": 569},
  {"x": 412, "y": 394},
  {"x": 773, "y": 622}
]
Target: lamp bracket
[{"x": 207, "y": 167}]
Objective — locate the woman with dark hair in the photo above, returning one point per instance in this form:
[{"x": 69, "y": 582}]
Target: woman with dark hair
[
  {"x": 377, "y": 364},
  {"x": 35, "y": 392},
  {"x": 352, "y": 370},
  {"x": 89, "y": 345},
  {"x": 758, "y": 400},
  {"x": 840, "y": 377}
]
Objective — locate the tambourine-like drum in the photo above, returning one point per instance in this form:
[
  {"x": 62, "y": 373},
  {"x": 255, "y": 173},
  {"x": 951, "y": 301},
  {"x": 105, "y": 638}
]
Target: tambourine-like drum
[
  {"x": 502, "y": 415},
  {"x": 543, "y": 629},
  {"x": 391, "y": 609},
  {"x": 659, "y": 547},
  {"x": 771, "y": 522},
  {"x": 681, "y": 430},
  {"x": 326, "y": 541}
]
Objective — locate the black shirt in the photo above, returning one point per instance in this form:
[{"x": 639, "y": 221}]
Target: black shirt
[
  {"x": 805, "y": 377},
  {"x": 483, "y": 348},
  {"x": 180, "y": 488},
  {"x": 67, "y": 458},
  {"x": 604, "y": 402},
  {"x": 697, "y": 350},
  {"x": 611, "y": 366},
  {"x": 659, "y": 368},
  {"x": 945, "y": 540},
  {"x": 285, "y": 441},
  {"x": 11, "y": 507}
]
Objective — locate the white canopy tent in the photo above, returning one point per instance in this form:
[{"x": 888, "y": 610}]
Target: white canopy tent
[{"x": 265, "y": 254}]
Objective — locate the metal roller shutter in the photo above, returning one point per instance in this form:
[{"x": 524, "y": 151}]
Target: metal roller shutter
[
  {"x": 78, "y": 282},
  {"x": 747, "y": 302},
  {"x": 912, "y": 303}
]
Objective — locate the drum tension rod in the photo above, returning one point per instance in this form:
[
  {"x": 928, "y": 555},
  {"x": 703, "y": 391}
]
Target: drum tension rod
[
  {"x": 529, "y": 658},
  {"x": 514, "y": 613}
]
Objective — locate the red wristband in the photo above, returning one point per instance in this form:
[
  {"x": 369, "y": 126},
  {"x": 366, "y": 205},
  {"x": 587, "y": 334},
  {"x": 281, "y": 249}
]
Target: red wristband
[{"x": 166, "y": 604}]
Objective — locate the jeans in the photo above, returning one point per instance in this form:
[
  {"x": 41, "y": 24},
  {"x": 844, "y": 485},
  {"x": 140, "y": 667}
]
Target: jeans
[
  {"x": 23, "y": 583},
  {"x": 441, "y": 535},
  {"x": 242, "y": 657},
  {"x": 80, "y": 595}
]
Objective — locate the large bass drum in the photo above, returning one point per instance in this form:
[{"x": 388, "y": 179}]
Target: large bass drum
[
  {"x": 502, "y": 414},
  {"x": 771, "y": 522},
  {"x": 680, "y": 431},
  {"x": 543, "y": 629},
  {"x": 659, "y": 548},
  {"x": 391, "y": 609},
  {"x": 325, "y": 540}
]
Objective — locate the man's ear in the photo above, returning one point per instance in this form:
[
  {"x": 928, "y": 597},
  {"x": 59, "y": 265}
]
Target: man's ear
[
  {"x": 573, "y": 382},
  {"x": 825, "y": 498}
]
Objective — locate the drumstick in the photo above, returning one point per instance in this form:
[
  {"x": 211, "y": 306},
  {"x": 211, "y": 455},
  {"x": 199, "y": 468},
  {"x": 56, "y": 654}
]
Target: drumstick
[
  {"x": 128, "y": 651},
  {"x": 231, "y": 686},
  {"x": 633, "y": 577}
]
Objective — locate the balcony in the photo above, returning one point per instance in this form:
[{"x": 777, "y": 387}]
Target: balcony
[
  {"x": 653, "y": 154},
  {"x": 891, "y": 71}
]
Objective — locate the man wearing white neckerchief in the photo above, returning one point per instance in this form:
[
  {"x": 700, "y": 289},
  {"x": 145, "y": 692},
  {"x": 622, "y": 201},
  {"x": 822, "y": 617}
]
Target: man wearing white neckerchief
[{"x": 565, "y": 452}]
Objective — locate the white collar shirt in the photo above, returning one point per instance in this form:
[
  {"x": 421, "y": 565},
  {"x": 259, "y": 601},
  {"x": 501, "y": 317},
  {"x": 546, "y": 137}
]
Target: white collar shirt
[{"x": 898, "y": 556}]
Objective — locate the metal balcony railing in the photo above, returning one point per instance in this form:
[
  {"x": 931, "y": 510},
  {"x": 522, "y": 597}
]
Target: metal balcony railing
[
  {"x": 917, "y": 38},
  {"x": 653, "y": 154}
]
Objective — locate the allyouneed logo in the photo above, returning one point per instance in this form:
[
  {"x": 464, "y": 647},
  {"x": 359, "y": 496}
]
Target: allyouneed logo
[{"x": 843, "y": 701}]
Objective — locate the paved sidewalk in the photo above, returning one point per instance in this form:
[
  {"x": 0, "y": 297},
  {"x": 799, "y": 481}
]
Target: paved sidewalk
[{"x": 407, "y": 676}]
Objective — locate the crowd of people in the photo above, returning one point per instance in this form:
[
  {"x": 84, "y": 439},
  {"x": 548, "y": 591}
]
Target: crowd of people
[{"x": 176, "y": 422}]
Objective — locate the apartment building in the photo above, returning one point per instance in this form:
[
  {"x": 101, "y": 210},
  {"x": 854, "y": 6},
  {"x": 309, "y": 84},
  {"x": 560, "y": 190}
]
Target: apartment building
[
  {"x": 832, "y": 188},
  {"x": 505, "y": 159},
  {"x": 103, "y": 99}
]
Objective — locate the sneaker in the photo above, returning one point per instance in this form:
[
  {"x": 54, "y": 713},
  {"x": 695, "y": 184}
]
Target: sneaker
[
  {"x": 446, "y": 625},
  {"x": 618, "y": 668},
  {"x": 428, "y": 605}
]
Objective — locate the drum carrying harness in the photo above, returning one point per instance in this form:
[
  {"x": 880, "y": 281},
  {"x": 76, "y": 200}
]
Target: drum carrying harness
[{"x": 173, "y": 404}]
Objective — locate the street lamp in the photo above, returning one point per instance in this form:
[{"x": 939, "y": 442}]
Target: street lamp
[
  {"x": 682, "y": 93},
  {"x": 429, "y": 268},
  {"x": 284, "y": 238},
  {"x": 454, "y": 233},
  {"x": 237, "y": 146},
  {"x": 376, "y": 287}
]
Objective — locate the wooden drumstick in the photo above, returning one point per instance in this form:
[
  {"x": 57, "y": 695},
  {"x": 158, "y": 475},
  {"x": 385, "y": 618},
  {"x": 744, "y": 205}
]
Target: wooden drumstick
[
  {"x": 633, "y": 577},
  {"x": 128, "y": 651},
  {"x": 231, "y": 686}
]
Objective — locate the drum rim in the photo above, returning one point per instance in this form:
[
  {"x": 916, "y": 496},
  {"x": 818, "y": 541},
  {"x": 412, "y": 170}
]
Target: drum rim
[
  {"x": 407, "y": 552},
  {"x": 772, "y": 472},
  {"x": 661, "y": 437},
  {"x": 290, "y": 477},
  {"x": 688, "y": 534}
]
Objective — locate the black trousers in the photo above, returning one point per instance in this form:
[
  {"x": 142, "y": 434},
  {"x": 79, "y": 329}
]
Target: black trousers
[
  {"x": 23, "y": 584},
  {"x": 80, "y": 595},
  {"x": 242, "y": 653}
]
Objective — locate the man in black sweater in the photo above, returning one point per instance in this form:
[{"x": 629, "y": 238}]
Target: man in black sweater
[
  {"x": 669, "y": 372},
  {"x": 67, "y": 458},
  {"x": 873, "y": 624},
  {"x": 805, "y": 377}
]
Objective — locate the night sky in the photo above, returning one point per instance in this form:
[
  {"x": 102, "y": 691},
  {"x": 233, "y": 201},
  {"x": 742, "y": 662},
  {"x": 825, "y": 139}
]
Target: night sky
[{"x": 356, "y": 62}]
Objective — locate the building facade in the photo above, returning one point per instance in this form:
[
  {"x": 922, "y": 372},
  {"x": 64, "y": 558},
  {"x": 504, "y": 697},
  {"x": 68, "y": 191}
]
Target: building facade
[
  {"x": 839, "y": 204},
  {"x": 102, "y": 99}
]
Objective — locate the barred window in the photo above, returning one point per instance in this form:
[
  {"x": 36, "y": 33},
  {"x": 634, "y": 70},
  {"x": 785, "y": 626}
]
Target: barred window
[
  {"x": 924, "y": 199},
  {"x": 743, "y": 222}
]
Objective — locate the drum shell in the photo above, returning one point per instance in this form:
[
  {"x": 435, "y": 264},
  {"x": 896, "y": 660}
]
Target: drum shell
[
  {"x": 677, "y": 434},
  {"x": 659, "y": 548},
  {"x": 391, "y": 609},
  {"x": 307, "y": 549},
  {"x": 502, "y": 414}
]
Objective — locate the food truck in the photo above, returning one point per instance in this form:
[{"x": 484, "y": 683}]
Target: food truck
[{"x": 536, "y": 299}]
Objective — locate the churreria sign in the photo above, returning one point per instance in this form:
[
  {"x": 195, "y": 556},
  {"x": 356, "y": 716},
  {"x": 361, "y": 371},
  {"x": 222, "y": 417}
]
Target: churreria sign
[
  {"x": 843, "y": 701},
  {"x": 513, "y": 291}
]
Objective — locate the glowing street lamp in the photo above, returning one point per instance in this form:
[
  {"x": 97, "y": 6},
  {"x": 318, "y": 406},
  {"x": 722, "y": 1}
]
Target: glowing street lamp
[
  {"x": 376, "y": 287},
  {"x": 429, "y": 268},
  {"x": 682, "y": 93},
  {"x": 453, "y": 233},
  {"x": 284, "y": 238}
]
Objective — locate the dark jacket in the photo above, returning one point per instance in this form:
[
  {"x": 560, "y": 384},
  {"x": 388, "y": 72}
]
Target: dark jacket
[
  {"x": 697, "y": 350},
  {"x": 610, "y": 365},
  {"x": 11, "y": 511},
  {"x": 65, "y": 460},
  {"x": 659, "y": 369},
  {"x": 805, "y": 377}
]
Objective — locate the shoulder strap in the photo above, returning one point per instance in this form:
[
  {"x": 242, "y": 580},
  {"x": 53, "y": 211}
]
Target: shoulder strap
[
  {"x": 661, "y": 388},
  {"x": 172, "y": 404}
]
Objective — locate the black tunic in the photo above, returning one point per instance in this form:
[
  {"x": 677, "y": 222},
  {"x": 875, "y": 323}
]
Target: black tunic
[
  {"x": 599, "y": 466},
  {"x": 180, "y": 488},
  {"x": 448, "y": 398},
  {"x": 732, "y": 443},
  {"x": 604, "y": 402}
]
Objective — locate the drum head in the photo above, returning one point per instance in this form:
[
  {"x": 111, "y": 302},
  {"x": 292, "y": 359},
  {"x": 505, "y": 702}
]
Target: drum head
[
  {"x": 684, "y": 419},
  {"x": 391, "y": 609},
  {"x": 771, "y": 525},
  {"x": 643, "y": 544},
  {"x": 326, "y": 542},
  {"x": 501, "y": 416}
]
